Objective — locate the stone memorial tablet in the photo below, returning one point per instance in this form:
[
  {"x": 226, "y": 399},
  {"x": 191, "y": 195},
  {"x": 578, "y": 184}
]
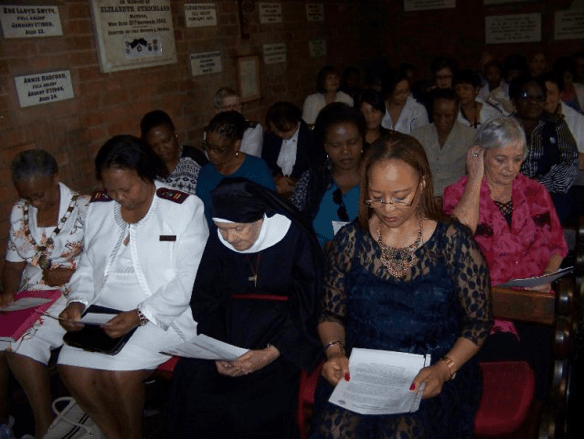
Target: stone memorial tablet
[
  {"x": 423, "y": 5},
  {"x": 569, "y": 25},
  {"x": 270, "y": 13},
  {"x": 274, "y": 53},
  {"x": 314, "y": 11},
  {"x": 205, "y": 63},
  {"x": 133, "y": 33},
  {"x": 44, "y": 88},
  {"x": 520, "y": 28},
  {"x": 26, "y": 21},
  {"x": 317, "y": 48},
  {"x": 200, "y": 14}
]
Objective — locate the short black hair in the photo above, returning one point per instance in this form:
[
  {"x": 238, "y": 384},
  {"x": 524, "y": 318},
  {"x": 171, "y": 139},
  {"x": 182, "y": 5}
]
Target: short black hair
[
  {"x": 33, "y": 163},
  {"x": 442, "y": 62},
  {"x": 371, "y": 97},
  {"x": 283, "y": 115},
  {"x": 321, "y": 77},
  {"x": 230, "y": 124},
  {"x": 129, "y": 152},
  {"x": 444, "y": 93},
  {"x": 391, "y": 81},
  {"x": 155, "y": 119},
  {"x": 554, "y": 79},
  {"x": 467, "y": 76},
  {"x": 336, "y": 113}
]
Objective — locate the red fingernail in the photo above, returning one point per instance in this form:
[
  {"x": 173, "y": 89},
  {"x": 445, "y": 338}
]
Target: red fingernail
[
  {"x": 413, "y": 386},
  {"x": 347, "y": 377}
]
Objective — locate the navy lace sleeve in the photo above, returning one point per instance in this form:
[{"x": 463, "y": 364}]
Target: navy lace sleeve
[{"x": 468, "y": 266}]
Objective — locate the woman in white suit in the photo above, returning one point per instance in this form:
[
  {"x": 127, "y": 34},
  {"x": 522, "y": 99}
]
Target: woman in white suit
[{"x": 143, "y": 247}]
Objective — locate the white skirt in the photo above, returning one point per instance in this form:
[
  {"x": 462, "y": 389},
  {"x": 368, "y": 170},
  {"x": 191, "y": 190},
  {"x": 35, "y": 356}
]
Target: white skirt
[{"x": 142, "y": 351}]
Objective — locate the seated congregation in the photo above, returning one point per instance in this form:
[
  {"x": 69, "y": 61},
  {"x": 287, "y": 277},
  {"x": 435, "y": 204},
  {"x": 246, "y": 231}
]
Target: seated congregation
[{"x": 379, "y": 216}]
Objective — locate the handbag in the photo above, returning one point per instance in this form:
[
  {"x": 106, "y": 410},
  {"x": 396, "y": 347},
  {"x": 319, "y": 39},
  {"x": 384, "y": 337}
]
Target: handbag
[
  {"x": 71, "y": 422},
  {"x": 92, "y": 338}
]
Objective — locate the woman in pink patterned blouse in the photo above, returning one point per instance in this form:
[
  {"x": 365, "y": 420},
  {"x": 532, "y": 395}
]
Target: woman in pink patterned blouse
[{"x": 515, "y": 224}]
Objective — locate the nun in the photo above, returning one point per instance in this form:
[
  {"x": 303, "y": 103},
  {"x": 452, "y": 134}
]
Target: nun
[{"x": 258, "y": 287}]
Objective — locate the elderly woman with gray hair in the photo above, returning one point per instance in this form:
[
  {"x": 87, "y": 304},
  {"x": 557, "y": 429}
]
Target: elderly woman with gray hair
[
  {"x": 515, "y": 224},
  {"x": 44, "y": 245}
]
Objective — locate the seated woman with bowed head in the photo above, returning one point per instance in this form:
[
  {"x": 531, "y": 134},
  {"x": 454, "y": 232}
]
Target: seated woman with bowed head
[
  {"x": 182, "y": 162},
  {"x": 289, "y": 147},
  {"x": 258, "y": 287},
  {"x": 328, "y": 193},
  {"x": 371, "y": 105},
  {"x": 473, "y": 111},
  {"x": 222, "y": 143},
  {"x": 403, "y": 113},
  {"x": 512, "y": 217},
  {"x": 146, "y": 241},
  {"x": 44, "y": 244},
  {"x": 328, "y": 83},
  {"x": 404, "y": 278}
]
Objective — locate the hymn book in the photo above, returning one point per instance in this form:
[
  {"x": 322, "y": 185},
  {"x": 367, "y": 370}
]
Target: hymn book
[
  {"x": 14, "y": 324},
  {"x": 380, "y": 382}
]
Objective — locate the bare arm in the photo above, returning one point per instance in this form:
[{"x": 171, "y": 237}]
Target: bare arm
[
  {"x": 11, "y": 275},
  {"x": 467, "y": 209},
  {"x": 436, "y": 375},
  {"x": 337, "y": 363}
]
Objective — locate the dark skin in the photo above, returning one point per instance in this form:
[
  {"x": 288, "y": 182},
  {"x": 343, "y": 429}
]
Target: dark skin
[
  {"x": 41, "y": 192},
  {"x": 530, "y": 105}
]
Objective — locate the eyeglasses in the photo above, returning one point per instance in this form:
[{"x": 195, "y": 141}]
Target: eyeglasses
[
  {"x": 215, "y": 149},
  {"x": 400, "y": 204},
  {"x": 342, "y": 210},
  {"x": 525, "y": 96}
]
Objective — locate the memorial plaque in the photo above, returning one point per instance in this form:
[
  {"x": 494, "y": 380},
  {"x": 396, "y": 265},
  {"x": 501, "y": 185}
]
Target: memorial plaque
[
  {"x": 520, "y": 28},
  {"x": 200, "y": 14},
  {"x": 424, "y": 5},
  {"x": 270, "y": 13},
  {"x": 314, "y": 11},
  {"x": 44, "y": 88},
  {"x": 28, "y": 21},
  {"x": 274, "y": 53},
  {"x": 205, "y": 63},
  {"x": 317, "y": 48},
  {"x": 133, "y": 33},
  {"x": 569, "y": 25}
]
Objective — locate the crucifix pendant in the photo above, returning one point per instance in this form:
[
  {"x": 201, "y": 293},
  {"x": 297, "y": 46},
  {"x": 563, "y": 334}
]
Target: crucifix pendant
[{"x": 253, "y": 279}]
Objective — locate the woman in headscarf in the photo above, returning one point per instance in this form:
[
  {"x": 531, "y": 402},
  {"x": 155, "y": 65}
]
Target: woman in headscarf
[{"x": 257, "y": 288}]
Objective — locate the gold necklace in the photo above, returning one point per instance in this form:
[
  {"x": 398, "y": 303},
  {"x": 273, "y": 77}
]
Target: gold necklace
[{"x": 399, "y": 261}]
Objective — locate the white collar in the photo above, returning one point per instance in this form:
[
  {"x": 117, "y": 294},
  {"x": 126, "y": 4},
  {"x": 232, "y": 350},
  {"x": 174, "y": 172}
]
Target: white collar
[{"x": 272, "y": 232}]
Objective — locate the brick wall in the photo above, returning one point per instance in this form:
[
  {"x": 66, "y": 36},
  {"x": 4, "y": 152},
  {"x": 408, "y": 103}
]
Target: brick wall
[{"x": 113, "y": 103}]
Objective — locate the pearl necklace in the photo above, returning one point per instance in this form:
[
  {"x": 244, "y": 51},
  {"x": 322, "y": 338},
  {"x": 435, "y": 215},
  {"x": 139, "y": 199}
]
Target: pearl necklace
[{"x": 399, "y": 261}]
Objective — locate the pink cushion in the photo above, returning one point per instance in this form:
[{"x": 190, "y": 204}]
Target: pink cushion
[{"x": 508, "y": 388}]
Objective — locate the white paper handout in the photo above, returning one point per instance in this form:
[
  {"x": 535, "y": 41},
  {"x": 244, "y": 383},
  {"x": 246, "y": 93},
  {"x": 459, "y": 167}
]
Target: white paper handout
[
  {"x": 98, "y": 319},
  {"x": 206, "y": 348},
  {"x": 531, "y": 282},
  {"x": 380, "y": 382},
  {"x": 25, "y": 303}
]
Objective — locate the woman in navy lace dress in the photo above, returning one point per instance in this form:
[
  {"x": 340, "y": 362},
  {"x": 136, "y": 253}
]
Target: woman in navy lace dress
[{"x": 404, "y": 278}]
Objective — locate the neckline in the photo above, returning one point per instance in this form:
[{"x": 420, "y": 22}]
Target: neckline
[{"x": 118, "y": 211}]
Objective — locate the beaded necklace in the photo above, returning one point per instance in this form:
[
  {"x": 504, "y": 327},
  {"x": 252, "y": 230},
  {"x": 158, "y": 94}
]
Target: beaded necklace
[
  {"x": 398, "y": 261},
  {"x": 41, "y": 256}
]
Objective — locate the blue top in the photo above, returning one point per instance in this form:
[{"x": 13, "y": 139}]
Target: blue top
[
  {"x": 252, "y": 168},
  {"x": 327, "y": 212}
]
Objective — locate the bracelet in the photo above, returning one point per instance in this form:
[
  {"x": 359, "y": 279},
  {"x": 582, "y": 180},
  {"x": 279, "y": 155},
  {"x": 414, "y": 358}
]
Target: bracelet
[
  {"x": 451, "y": 367},
  {"x": 143, "y": 318},
  {"x": 335, "y": 343}
]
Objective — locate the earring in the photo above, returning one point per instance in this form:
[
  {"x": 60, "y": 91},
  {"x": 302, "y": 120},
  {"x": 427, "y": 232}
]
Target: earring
[{"x": 237, "y": 153}]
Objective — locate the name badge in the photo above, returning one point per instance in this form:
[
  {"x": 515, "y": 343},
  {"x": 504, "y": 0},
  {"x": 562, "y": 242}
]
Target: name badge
[{"x": 167, "y": 238}]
